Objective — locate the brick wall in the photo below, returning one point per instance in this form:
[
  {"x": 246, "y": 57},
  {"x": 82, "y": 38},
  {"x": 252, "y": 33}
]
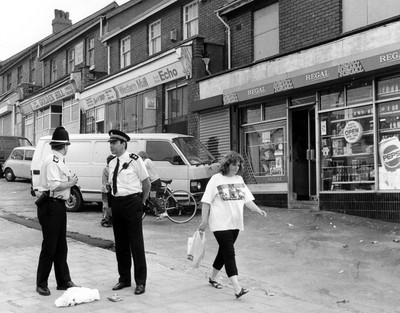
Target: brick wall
[
  {"x": 308, "y": 22},
  {"x": 210, "y": 28},
  {"x": 242, "y": 39},
  {"x": 301, "y": 24}
]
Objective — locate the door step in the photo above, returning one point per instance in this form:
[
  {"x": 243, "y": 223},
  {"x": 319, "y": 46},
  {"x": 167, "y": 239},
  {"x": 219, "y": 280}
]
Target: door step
[{"x": 304, "y": 205}]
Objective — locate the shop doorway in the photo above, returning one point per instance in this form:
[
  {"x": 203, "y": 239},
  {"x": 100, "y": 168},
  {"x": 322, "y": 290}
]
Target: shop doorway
[{"x": 303, "y": 156}]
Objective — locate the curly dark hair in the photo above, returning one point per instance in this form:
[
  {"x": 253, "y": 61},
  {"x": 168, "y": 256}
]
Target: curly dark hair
[{"x": 230, "y": 158}]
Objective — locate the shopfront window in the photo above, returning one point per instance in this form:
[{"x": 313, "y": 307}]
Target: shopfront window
[
  {"x": 99, "y": 117},
  {"x": 358, "y": 92},
  {"x": 332, "y": 98},
  {"x": 347, "y": 149},
  {"x": 70, "y": 111},
  {"x": 176, "y": 107},
  {"x": 139, "y": 113},
  {"x": 94, "y": 120},
  {"x": 29, "y": 126},
  {"x": 266, "y": 152},
  {"x": 264, "y": 137},
  {"x": 112, "y": 116},
  {"x": 251, "y": 114},
  {"x": 47, "y": 120},
  {"x": 389, "y": 133}
]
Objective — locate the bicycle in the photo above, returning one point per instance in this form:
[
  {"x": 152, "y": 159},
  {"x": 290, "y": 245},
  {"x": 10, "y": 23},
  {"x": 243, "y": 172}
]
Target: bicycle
[{"x": 178, "y": 206}]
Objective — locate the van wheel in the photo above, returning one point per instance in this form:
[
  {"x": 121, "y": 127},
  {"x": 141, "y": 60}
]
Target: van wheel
[
  {"x": 9, "y": 174},
  {"x": 74, "y": 203}
]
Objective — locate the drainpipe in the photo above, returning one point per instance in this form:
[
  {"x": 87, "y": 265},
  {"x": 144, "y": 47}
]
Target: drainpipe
[
  {"x": 228, "y": 29},
  {"x": 108, "y": 59}
]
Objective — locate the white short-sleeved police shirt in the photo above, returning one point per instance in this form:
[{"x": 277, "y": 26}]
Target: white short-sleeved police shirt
[{"x": 131, "y": 173}]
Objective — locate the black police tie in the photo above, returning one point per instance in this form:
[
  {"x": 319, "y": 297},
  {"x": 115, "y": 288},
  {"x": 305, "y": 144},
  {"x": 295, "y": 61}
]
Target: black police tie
[{"x": 114, "y": 180}]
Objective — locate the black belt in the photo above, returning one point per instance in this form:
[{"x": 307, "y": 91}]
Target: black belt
[
  {"x": 129, "y": 196},
  {"x": 57, "y": 199}
]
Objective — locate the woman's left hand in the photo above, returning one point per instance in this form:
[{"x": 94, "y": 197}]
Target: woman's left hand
[{"x": 263, "y": 213}]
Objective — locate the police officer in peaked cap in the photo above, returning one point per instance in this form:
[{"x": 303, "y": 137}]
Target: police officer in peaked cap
[
  {"x": 130, "y": 187},
  {"x": 118, "y": 135}
]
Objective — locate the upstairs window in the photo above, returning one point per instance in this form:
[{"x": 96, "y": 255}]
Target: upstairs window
[
  {"x": 71, "y": 60},
  {"x": 19, "y": 75},
  {"x": 90, "y": 51},
  {"x": 266, "y": 32},
  {"x": 70, "y": 111},
  {"x": 177, "y": 102},
  {"x": 190, "y": 20},
  {"x": 155, "y": 37},
  {"x": 53, "y": 71},
  {"x": 32, "y": 70},
  {"x": 361, "y": 13},
  {"x": 8, "y": 81},
  {"x": 125, "y": 52}
]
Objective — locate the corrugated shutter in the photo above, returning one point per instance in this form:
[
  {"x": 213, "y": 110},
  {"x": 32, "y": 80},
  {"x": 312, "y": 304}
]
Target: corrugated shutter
[{"x": 215, "y": 132}]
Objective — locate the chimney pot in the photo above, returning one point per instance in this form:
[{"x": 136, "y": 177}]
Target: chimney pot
[{"x": 61, "y": 21}]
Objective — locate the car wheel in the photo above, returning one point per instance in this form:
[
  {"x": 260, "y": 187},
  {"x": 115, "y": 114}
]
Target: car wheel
[
  {"x": 9, "y": 174},
  {"x": 74, "y": 203}
]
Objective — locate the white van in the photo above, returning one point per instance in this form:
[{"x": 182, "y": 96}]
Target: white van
[{"x": 182, "y": 158}]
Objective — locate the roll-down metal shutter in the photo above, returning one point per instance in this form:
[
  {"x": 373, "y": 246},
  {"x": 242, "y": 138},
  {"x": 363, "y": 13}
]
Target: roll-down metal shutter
[{"x": 215, "y": 132}]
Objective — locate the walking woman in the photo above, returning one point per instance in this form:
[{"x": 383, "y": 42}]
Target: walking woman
[{"x": 224, "y": 198}]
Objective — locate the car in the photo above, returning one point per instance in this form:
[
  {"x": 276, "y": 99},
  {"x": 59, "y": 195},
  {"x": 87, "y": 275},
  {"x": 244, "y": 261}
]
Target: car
[
  {"x": 18, "y": 164},
  {"x": 7, "y": 144}
]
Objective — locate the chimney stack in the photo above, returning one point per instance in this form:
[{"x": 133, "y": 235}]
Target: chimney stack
[{"x": 61, "y": 21}]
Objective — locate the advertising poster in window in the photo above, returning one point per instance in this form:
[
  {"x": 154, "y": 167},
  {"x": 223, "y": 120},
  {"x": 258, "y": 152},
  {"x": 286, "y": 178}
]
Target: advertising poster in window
[{"x": 389, "y": 171}]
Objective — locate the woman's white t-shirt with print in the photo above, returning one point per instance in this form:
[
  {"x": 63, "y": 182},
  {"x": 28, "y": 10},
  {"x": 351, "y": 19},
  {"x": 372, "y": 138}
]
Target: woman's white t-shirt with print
[{"x": 226, "y": 197}]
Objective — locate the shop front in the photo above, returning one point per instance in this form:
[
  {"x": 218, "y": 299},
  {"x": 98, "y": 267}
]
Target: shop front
[
  {"x": 149, "y": 98},
  {"x": 326, "y": 138},
  {"x": 7, "y": 116},
  {"x": 50, "y": 109}
]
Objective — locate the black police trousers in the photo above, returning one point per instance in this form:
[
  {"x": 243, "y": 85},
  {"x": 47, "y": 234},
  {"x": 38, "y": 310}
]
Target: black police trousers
[
  {"x": 54, "y": 244},
  {"x": 128, "y": 234}
]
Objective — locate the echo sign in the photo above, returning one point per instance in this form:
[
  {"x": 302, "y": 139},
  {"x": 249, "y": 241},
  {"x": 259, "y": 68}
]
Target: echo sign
[{"x": 352, "y": 131}]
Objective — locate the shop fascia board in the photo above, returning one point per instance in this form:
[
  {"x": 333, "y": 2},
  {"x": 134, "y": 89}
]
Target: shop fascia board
[
  {"x": 141, "y": 69},
  {"x": 360, "y": 45},
  {"x": 44, "y": 92},
  {"x": 315, "y": 69},
  {"x": 7, "y": 103}
]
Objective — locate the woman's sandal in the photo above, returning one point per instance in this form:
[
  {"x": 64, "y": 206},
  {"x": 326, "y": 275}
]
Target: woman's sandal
[
  {"x": 215, "y": 283},
  {"x": 242, "y": 292}
]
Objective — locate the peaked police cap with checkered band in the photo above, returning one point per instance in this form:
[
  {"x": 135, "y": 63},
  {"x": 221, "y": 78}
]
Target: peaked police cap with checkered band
[{"x": 118, "y": 135}]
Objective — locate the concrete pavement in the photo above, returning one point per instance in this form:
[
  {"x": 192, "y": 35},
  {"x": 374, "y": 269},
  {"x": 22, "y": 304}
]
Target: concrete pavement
[
  {"x": 295, "y": 261},
  {"x": 168, "y": 290},
  {"x": 365, "y": 281}
]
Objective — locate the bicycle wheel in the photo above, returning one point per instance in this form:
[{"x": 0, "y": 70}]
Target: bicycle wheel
[{"x": 180, "y": 206}]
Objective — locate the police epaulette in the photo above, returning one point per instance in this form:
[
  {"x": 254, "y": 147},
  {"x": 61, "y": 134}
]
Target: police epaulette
[
  {"x": 55, "y": 159},
  {"x": 134, "y": 156}
]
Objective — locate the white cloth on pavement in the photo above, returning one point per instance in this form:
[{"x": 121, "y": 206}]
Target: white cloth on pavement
[{"x": 76, "y": 295}]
